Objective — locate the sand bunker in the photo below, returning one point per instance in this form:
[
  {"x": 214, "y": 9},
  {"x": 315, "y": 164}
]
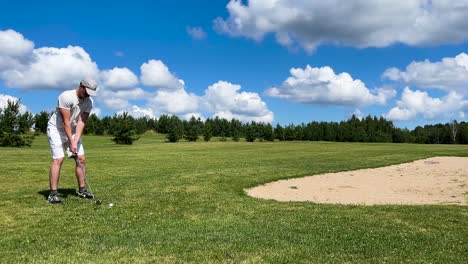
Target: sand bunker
[{"x": 438, "y": 180}]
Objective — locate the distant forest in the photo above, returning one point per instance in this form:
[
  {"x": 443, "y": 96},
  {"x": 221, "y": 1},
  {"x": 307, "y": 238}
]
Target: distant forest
[
  {"x": 18, "y": 129},
  {"x": 368, "y": 129}
]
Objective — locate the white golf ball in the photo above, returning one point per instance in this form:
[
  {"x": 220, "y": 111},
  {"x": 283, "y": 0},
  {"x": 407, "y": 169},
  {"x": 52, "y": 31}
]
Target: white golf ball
[{"x": 111, "y": 204}]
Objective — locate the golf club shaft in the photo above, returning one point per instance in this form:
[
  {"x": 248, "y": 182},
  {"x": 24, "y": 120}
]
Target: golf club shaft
[{"x": 78, "y": 162}]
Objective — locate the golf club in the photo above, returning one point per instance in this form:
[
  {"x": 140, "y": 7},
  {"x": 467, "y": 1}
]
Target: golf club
[{"x": 77, "y": 160}]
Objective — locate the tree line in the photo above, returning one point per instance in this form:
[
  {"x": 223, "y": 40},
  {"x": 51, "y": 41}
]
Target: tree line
[
  {"x": 16, "y": 129},
  {"x": 368, "y": 129}
]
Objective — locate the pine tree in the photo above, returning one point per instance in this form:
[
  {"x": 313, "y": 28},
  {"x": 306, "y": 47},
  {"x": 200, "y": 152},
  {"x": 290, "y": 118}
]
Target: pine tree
[
  {"x": 236, "y": 127},
  {"x": 290, "y": 132},
  {"x": 124, "y": 132},
  {"x": 176, "y": 129},
  {"x": 462, "y": 133},
  {"x": 163, "y": 124},
  {"x": 279, "y": 132},
  {"x": 208, "y": 130},
  {"x": 40, "y": 121},
  {"x": 250, "y": 133},
  {"x": 94, "y": 125},
  {"x": 15, "y": 128},
  {"x": 268, "y": 132},
  {"x": 192, "y": 129}
]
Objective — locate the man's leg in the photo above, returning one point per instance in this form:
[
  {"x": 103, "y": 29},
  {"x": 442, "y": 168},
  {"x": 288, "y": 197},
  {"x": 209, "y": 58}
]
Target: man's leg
[
  {"x": 54, "y": 173},
  {"x": 56, "y": 142},
  {"x": 79, "y": 171}
]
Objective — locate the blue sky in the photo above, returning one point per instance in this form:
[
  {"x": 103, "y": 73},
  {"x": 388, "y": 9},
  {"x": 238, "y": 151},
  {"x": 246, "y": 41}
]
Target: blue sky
[{"x": 274, "y": 61}]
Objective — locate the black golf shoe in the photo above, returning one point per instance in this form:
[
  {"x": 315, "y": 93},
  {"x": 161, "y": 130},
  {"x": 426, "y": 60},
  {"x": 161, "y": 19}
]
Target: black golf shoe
[
  {"x": 55, "y": 199},
  {"x": 85, "y": 194}
]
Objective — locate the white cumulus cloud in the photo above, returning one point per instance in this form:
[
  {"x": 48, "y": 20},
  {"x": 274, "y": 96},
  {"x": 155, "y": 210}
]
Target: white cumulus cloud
[
  {"x": 450, "y": 74},
  {"x": 223, "y": 99},
  {"x": 119, "y": 78},
  {"x": 414, "y": 104},
  {"x": 119, "y": 99},
  {"x": 96, "y": 110},
  {"x": 323, "y": 86},
  {"x": 196, "y": 32},
  {"x": 14, "y": 49},
  {"x": 155, "y": 73},
  {"x": 187, "y": 116},
  {"x": 177, "y": 102},
  {"x": 137, "y": 111},
  {"x": 359, "y": 23},
  {"x": 24, "y": 67},
  {"x": 115, "y": 103},
  {"x": 53, "y": 68},
  {"x": 14, "y": 44},
  {"x": 4, "y": 98}
]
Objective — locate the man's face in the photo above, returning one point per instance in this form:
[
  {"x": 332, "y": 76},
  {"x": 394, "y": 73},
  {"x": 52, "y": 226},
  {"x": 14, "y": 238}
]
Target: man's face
[{"x": 83, "y": 92}]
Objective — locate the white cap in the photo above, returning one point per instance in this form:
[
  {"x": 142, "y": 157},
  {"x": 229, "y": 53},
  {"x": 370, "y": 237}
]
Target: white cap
[{"x": 90, "y": 85}]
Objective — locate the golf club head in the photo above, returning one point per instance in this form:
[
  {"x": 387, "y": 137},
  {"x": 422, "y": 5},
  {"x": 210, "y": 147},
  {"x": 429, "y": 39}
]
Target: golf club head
[{"x": 98, "y": 202}]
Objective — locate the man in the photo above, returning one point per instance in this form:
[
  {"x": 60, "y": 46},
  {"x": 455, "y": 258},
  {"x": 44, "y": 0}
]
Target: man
[{"x": 64, "y": 130}]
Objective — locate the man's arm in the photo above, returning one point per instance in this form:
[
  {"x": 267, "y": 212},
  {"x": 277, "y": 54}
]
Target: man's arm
[
  {"x": 67, "y": 127},
  {"x": 80, "y": 126}
]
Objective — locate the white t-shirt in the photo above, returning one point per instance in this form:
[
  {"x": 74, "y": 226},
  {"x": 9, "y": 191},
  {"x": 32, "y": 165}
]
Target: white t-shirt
[{"x": 70, "y": 101}]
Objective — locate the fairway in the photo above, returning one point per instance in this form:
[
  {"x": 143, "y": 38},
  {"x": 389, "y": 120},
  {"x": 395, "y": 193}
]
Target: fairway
[{"x": 185, "y": 202}]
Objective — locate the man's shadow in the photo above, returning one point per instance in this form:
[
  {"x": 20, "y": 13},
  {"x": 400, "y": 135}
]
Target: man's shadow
[{"x": 64, "y": 192}]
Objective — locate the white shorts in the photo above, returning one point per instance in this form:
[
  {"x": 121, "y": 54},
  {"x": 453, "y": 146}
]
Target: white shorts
[{"x": 58, "y": 141}]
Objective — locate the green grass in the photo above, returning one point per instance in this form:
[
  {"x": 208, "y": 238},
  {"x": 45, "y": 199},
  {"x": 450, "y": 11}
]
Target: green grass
[{"x": 185, "y": 202}]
